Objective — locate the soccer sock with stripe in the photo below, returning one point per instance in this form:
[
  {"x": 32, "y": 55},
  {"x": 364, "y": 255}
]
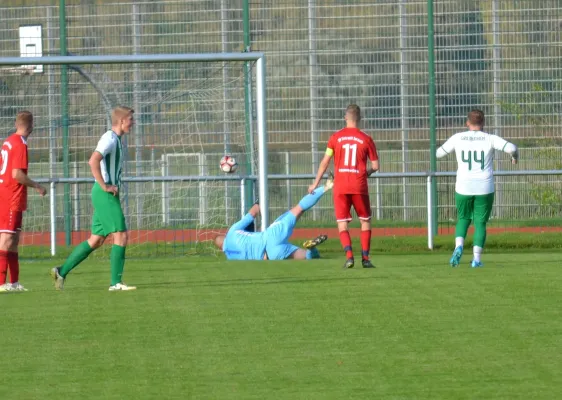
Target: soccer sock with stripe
[
  {"x": 345, "y": 240},
  {"x": 311, "y": 199},
  {"x": 13, "y": 266},
  {"x": 117, "y": 259},
  {"x": 3, "y": 266},
  {"x": 79, "y": 254},
  {"x": 365, "y": 244}
]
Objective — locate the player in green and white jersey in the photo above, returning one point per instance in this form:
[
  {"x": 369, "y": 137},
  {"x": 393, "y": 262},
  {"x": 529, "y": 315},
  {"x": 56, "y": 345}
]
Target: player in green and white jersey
[
  {"x": 474, "y": 189},
  {"x": 108, "y": 219}
]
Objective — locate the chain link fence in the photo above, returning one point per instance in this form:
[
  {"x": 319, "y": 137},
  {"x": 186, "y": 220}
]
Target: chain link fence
[{"x": 502, "y": 56}]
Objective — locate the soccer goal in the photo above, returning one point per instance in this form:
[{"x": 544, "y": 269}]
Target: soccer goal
[{"x": 190, "y": 110}]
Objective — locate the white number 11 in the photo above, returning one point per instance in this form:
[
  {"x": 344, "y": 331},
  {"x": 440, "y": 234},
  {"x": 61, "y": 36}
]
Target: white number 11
[{"x": 353, "y": 148}]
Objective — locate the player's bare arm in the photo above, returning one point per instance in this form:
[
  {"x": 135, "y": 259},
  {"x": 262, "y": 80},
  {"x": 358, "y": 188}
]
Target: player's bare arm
[
  {"x": 324, "y": 164},
  {"x": 95, "y": 167},
  {"x": 374, "y": 167},
  {"x": 22, "y": 178}
]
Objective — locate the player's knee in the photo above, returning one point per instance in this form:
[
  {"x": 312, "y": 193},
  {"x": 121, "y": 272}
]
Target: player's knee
[
  {"x": 342, "y": 226},
  {"x": 121, "y": 238},
  {"x": 365, "y": 224},
  {"x": 96, "y": 241},
  {"x": 7, "y": 241}
]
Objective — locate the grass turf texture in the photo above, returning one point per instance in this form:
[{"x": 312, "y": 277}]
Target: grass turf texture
[
  {"x": 204, "y": 328},
  {"x": 379, "y": 244}
]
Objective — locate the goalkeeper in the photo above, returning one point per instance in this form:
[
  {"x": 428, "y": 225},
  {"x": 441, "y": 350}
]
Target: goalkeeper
[
  {"x": 474, "y": 189},
  {"x": 273, "y": 243}
]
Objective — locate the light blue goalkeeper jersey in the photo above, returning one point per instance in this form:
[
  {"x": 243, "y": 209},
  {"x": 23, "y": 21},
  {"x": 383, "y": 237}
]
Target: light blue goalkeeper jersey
[{"x": 242, "y": 245}]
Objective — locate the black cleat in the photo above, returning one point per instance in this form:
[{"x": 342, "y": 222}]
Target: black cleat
[
  {"x": 349, "y": 263},
  {"x": 367, "y": 264}
]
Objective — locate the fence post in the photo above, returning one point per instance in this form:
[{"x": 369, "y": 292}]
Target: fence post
[
  {"x": 430, "y": 227},
  {"x": 165, "y": 194},
  {"x": 53, "y": 216},
  {"x": 242, "y": 197},
  {"x": 288, "y": 182},
  {"x": 76, "y": 208},
  {"x": 379, "y": 199}
]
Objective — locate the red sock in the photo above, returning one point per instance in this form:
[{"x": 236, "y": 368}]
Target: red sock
[
  {"x": 3, "y": 266},
  {"x": 365, "y": 244},
  {"x": 345, "y": 240},
  {"x": 13, "y": 266}
]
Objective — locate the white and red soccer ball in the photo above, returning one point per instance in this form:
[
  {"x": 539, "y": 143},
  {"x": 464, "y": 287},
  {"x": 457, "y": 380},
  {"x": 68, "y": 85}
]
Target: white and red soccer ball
[{"x": 228, "y": 164}]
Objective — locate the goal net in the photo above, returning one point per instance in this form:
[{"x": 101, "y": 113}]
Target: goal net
[{"x": 188, "y": 115}]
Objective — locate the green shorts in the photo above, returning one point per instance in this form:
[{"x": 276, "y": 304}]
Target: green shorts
[
  {"x": 108, "y": 216},
  {"x": 476, "y": 207}
]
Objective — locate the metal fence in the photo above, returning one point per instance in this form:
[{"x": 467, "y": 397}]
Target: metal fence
[{"x": 499, "y": 55}]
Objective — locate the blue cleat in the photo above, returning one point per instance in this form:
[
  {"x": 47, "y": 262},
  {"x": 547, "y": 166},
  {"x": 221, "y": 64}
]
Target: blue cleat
[
  {"x": 456, "y": 258},
  {"x": 476, "y": 264}
]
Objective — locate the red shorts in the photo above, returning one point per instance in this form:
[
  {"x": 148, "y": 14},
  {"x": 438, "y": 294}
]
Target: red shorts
[
  {"x": 10, "y": 221},
  {"x": 343, "y": 203}
]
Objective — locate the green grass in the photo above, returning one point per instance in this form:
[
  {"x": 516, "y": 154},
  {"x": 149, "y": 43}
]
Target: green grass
[
  {"x": 204, "y": 328},
  {"x": 382, "y": 244}
]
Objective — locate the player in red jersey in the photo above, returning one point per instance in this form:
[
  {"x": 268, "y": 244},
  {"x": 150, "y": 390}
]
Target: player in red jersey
[
  {"x": 351, "y": 149},
  {"x": 13, "y": 199}
]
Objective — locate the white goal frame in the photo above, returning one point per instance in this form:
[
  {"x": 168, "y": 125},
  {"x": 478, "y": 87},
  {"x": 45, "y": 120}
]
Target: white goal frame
[{"x": 258, "y": 57}]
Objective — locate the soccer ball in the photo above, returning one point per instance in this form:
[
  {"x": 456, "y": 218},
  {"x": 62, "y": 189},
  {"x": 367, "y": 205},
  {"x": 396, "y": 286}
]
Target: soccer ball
[{"x": 228, "y": 164}]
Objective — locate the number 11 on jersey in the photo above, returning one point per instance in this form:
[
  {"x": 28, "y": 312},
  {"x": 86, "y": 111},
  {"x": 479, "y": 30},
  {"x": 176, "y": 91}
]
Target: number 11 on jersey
[{"x": 353, "y": 147}]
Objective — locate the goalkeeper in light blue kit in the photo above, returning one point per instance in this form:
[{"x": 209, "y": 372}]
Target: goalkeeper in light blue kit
[
  {"x": 273, "y": 243},
  {"x": 474, "y": 189}
]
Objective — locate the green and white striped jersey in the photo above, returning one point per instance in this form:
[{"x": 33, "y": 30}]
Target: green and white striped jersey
[
  {"x": 475, "y": 157},
  {"x": 109, "y": 146}
]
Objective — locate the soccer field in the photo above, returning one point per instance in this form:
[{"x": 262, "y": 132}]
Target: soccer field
[{"x": 203, "y": 328}]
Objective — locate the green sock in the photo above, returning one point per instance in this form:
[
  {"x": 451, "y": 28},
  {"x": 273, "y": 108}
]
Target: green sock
[
  {"x": 79, "y": 254},
  {"x": 117, "y": 263}
]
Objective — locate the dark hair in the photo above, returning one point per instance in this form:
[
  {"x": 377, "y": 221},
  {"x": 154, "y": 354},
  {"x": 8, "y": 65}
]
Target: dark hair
[{"x": 476, "y": 117}]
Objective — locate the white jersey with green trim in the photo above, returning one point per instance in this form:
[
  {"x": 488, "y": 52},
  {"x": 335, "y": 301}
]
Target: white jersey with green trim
[
  {"x": 475, "y": 158},
  {"x": 109, "y": 146}
]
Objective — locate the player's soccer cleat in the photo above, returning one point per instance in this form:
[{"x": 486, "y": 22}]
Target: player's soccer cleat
[
  {"x": 18, "y": 287},
  {"x": 121, "y": 286},
  {"x": 456, "y": 258},
  {"x": 5, "y": 288},
  {"x": 349, "y": 263},
  {"x": 309, "y": 244},
  {"x": 329, "y": 182},
  {"x": 59, "y": 280},
  {"x": 367, "y": 264},
  {"x": 476, "y": 264}
]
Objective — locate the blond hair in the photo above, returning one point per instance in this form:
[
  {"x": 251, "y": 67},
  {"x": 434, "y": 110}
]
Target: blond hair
[
  {"x": 24, "y": 119},
  {"x": 354, "y": 112},
  {"x": 119, "y": 113}
]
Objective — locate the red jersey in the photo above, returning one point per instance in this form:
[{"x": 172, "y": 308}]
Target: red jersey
[
  {"x": 351, "y": 149},
  {"x": 13, "y": 156}
]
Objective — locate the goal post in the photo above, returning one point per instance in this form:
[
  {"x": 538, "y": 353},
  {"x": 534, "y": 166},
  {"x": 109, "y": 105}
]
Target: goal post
[{"x": 108, "y": 80}]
